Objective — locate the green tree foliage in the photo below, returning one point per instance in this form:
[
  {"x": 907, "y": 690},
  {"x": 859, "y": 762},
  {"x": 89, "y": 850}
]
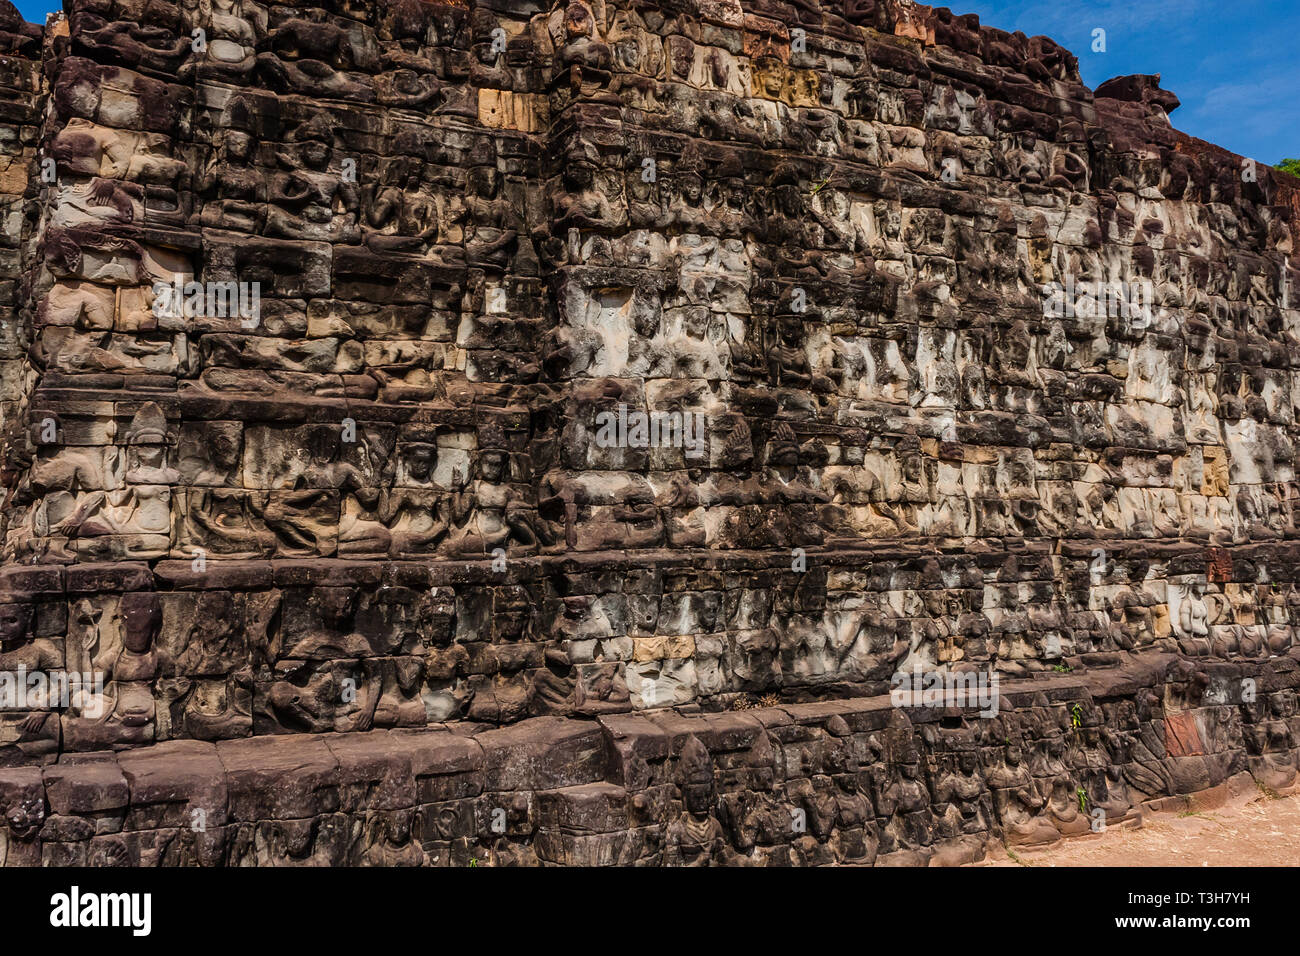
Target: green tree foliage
[{"x": 1291, "y": 166}]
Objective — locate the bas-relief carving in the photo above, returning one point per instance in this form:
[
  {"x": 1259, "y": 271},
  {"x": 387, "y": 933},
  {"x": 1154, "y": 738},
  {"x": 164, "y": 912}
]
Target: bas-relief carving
[{"x": 463, "y": 256}]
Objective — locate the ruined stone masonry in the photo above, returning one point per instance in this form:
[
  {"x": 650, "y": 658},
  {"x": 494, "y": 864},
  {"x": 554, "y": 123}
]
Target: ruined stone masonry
[{"x": 312, "y": 313}]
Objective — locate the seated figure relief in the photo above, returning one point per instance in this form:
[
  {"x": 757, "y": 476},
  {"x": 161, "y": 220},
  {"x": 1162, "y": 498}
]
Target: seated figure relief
[
  {"x": 120, "y": 647},
  {"x": 127, "y": 496},
  {"x": 308, "y": 199},
  {"x": 487, "y": 513},
  {"x": 235, "y": 188}
]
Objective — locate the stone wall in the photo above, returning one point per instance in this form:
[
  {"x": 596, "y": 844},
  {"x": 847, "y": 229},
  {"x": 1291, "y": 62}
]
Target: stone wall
[
  {"x": 318, "y": 329},
  {"x": 278, "y": 647},
  {"x": 21, "y": 107},
  {"x": 838, "y": 782}
]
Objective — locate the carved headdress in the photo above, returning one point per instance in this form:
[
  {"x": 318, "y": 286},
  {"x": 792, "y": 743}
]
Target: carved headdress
[
  {"x": 783, "y": 448},
  {"x": 148, "y": 427}
]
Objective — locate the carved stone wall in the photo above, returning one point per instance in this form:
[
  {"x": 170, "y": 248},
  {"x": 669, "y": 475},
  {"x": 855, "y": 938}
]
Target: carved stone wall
[
  {"x": 21, "y": 105},
  {"x": 317, "y": 319},
  {"x": 839, "y": 782}
]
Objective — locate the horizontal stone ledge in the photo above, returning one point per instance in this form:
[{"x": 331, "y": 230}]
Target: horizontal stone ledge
[
  {"x": 168, "y": 769},
  {"x": 27, "y": 582},
  {"x": 198, "y": 404}
]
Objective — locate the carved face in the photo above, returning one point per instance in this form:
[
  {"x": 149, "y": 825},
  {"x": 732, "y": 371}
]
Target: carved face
[
  {"x": 336, "y": 605},
  {"x": 788, "y": 201},
  {"x": 420, "y": 460},
  {"x": 578, "y": 21},
  {"x": 512, "y": 619},
  {"x": 790, "y": 332},
  {"x": 315, "y": 154},
  {"x": 484, "y": 181},
  {"x": 638, "y": 187},
  {"x": 399, "y": 828},
  {"x": 579, "y": 177},
  {"x": 690, "y": 188},
  {"x": 695, "y": 796},
  {"x": 492, "y": 465},
  {"x": 148, "y": 456},
  {"x": 141, "y": 620},
  {"x": 239, "y": 146},
  {"x": 14, "y": 622}
]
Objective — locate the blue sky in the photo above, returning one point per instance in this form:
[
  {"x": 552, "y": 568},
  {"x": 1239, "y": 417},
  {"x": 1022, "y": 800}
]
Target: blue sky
[{"x": 1231, "y": 62}]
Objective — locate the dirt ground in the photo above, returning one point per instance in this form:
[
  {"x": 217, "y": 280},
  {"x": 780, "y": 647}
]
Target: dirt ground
[{"x": 1264, "y": 832}]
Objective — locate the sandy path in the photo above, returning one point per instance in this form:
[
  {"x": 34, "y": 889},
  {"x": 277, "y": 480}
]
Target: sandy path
[{"x": 1264, "y": 832}]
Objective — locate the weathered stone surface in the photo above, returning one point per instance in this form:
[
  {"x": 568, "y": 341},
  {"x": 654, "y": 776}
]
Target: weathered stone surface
[
  {"x": 457, "y": 432},
  {"x": 850, "y": 781}
]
